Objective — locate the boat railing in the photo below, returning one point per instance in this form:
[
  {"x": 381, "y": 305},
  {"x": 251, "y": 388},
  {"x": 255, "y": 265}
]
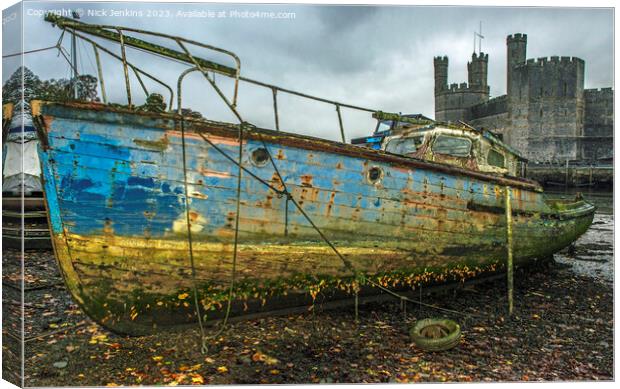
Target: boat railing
[
  {"x": 126, "y": 64},
  {"x": 119, "y": 35}
]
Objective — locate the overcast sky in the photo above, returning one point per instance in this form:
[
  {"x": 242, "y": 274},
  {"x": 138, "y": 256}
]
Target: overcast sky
[{"x": 376, "y": 57}]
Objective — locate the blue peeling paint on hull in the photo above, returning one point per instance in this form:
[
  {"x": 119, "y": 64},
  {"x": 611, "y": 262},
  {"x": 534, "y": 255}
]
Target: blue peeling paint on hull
[{"x": 114, "y": 184}]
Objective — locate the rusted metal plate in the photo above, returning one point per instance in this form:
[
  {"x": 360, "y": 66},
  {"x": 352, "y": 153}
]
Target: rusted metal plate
[{"x": 114, "y": 187}]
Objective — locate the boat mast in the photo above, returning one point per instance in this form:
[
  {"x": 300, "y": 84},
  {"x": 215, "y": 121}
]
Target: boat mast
[{"x": 74, "y": 60}]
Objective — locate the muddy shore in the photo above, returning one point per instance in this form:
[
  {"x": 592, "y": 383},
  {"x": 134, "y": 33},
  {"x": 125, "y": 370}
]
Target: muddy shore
[{"x": 562, "y": 330}]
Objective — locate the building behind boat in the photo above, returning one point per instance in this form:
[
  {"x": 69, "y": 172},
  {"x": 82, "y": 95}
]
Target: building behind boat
[{"x": 565, "y": 130}]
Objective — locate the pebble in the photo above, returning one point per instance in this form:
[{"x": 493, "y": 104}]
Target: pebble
[{"x": 60, "y": 364}]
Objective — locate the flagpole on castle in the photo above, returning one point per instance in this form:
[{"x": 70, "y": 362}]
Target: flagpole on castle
[{"x": 480, "y": 38}]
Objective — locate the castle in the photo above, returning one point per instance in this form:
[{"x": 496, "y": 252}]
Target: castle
[{"x": 546, "y": 113}]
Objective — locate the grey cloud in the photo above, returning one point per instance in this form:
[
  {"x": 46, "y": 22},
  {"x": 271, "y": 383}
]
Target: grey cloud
[{"x": 379, "y": 57}]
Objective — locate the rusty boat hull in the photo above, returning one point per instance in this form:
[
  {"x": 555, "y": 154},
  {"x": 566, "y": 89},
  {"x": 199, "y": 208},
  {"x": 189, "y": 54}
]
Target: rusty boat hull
[{"x": 114, "y": 188}]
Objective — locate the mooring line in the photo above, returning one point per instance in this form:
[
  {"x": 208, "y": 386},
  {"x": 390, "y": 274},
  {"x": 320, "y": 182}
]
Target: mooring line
[
  {"x": 190, "y": 241},
  {"x": 204, "y": 338},
  {"x": 346, "y": 262}
]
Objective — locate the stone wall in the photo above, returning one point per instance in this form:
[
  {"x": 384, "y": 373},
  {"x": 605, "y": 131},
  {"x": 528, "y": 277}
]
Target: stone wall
[
  {"x": 453, "y": 103},
  {"x": 492, "y": 115},
  {"x": 497, "y": 124},
  {"x": 598, "y": 129},
  {"x": 546, "y": 107}
]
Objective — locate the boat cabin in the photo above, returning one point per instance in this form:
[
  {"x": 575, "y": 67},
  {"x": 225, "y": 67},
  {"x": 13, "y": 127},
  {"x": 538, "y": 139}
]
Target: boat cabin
[{"x": 454, "y": 144}]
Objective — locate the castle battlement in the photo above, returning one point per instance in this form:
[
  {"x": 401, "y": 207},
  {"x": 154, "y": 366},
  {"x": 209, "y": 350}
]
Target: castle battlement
[
  {"x": 552, "y": 61},
  {"x": 516, "y": 38},
  {"x": 592, "y": 91},
  {"x": 602, "y": 95},
  {"x": 464, "y": 87},
  {"x": 480, "y": 57}
]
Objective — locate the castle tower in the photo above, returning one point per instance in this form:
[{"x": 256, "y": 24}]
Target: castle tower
[
  {"x": 441, "y": 74},
  {"x": 477, "y": 70},
  {"x": 452, "y": 102},
  {"x": 516, "y": 54}
]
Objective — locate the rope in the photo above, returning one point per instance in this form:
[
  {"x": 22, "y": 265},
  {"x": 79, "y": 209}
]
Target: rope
[
  {"x": 262, "y": 181},
  {"x": 190, "y": 242},
  {"x": 347, "y": 263},
  {"x": 235, "y": 244},
  {"x": 225, "y": 155},
  {"x": 31, "y": 51},
  {"x": 288, "y": 194},
  {"x": 204, "y": 337}
]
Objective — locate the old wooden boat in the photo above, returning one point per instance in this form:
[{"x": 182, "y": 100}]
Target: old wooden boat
[{"x": 150, "y": 209}]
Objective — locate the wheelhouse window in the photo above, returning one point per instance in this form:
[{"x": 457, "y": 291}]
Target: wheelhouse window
[
  {"x": 384, "y": 126},
  {"x": 404, "y": 146},
  {"x": 495, "y": 158},
  {"x": 452, "y": 145}
]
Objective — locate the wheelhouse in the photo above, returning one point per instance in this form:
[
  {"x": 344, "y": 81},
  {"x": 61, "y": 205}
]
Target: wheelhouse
[{"x": 416, "y": 136}]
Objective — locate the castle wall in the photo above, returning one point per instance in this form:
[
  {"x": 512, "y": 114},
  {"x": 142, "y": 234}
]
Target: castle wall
[
  {"x": 453, "y": 104},
  {"x": 497, "y": 124},
  {"x": 546, "y": 107},
  {"x": 494, "y": 106},
  {"x": 598, "y": 130},
  {"x": 492, "y": 115}
]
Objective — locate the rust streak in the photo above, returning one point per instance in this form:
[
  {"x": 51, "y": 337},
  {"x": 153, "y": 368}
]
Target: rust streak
[
  {"x": 306, "y": 180},
  {"x": 212, "y": 173}
]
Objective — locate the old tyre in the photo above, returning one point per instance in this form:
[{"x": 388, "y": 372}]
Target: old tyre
[{"x": 435, "y": 334}]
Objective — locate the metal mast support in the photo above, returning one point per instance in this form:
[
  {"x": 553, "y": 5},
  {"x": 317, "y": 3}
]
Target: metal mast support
[
  {"x": 74, "y": 59},
  {"x": 75, "y": 64}
]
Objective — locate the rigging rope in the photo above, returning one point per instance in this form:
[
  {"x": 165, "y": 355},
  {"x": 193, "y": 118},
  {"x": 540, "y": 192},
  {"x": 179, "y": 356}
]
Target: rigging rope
[
  {"x": 235, "y": 246},
  {"x": 289, "y": 197},
  {"x": 203, "y": 336},
  {"x": 189, "y": 239},
  {"x": 333, "y": 247},
  {"x": 57, "y": 45}
]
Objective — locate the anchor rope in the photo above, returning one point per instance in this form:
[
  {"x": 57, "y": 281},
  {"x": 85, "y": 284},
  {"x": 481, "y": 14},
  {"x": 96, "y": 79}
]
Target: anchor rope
[
  {"x": 203, "y": 336},
  {"x": 189, "y": 239},
  {"x": 289, "y": 197},
  {"x": 347, "y": 263}
]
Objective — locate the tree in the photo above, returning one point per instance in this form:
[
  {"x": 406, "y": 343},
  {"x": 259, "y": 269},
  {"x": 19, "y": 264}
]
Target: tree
[
  {"x": 51, "y": 90},
  {"x": 62, "y": 89},
  {"x": 13, "y": 87}
]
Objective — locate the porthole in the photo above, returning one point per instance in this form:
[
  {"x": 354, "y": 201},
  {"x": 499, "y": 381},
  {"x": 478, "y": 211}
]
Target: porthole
[
  {"x": 259, "y": 157},
  {"x": 374, "y": 175}
]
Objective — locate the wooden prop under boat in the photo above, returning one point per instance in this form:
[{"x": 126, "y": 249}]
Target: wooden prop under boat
[{"x": 114, "y": 185}]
